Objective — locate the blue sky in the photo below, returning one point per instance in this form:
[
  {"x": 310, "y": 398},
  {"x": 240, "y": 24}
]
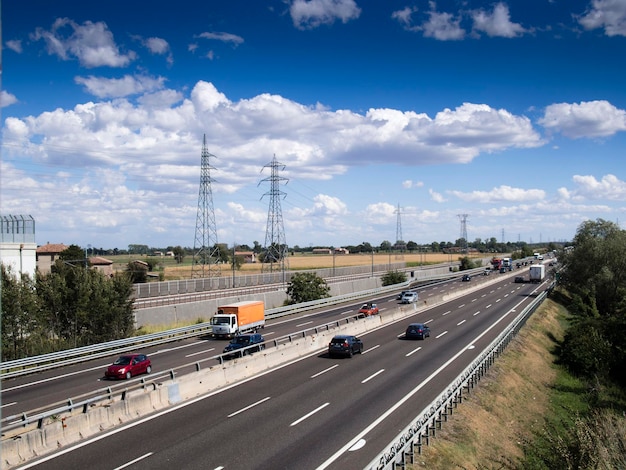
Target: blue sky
[{"x": 512, "y": 113}]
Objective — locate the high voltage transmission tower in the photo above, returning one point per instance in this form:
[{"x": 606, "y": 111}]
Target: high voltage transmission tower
[
  {"x": 463, "y": 218},
  {"x": 398, "y": 225},
  {"x": 275, "y": 256},
  {"x": 205, "y": 248}
]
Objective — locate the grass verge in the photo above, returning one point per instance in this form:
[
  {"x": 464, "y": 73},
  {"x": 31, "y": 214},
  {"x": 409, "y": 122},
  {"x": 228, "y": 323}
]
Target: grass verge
[{"x": 528, "y": 413}]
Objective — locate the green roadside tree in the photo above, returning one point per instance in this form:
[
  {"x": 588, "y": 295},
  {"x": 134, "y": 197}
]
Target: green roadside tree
[
  {"x": 393, "y": 277},
  {"x": 305, "y": 287},
  {"x": 21, "y": 329}
]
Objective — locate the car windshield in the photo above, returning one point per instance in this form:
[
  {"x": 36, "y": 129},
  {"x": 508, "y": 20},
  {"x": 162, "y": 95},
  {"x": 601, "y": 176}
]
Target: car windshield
[
  {"x": 220, "y": 320},
  {"x": 241, "y": 340},
  {"x": 122, "y": 361},
  {"x": 339, "y": 340}
]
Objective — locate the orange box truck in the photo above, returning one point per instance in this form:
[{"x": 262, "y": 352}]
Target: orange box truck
[{"x": 238, "y": 318}]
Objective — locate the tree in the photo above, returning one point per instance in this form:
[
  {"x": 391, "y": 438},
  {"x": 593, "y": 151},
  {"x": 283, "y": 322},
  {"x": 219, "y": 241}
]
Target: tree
[
  {"x": 305, "y": 287},
  {"x": 393, "y": 277},
  {"x": 179, "y": 254},
  {"x": 74, "y": 255},
  {"x": 137, "y": 272},
  {"x": 411, "y": 246},
  {"x": 595, "y": 278},
  {"x": 467, "y": 263},
  {"x": 385, "y": 245},
  {"x": 21, "y": 328}
]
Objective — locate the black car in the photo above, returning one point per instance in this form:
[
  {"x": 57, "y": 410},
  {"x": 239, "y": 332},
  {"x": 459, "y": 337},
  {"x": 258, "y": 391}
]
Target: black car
[
  {"x": 466, "y": 277},
  {"x": 519, "y": 279},
  {"x": 417, "y": 331},
  {"x": 344, "y": 345},
  {"x": 247, "y": 343}
]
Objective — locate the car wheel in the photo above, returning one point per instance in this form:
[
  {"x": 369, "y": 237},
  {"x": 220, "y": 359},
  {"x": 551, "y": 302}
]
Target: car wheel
[
  {"x": 128, "y": 375},
  {"x": 148, "y": 369},
  {"x": 350, "y": 352}
]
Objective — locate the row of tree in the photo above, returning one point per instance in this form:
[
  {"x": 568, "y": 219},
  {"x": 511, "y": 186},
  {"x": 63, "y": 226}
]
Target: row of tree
[
  {"x": 72, "y": 306},
  {"x": 594, "y": 281}
]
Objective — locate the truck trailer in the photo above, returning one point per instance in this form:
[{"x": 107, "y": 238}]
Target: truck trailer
[
  {"x": 537, "y": 273},
  {"x": 238, "y": 318}
]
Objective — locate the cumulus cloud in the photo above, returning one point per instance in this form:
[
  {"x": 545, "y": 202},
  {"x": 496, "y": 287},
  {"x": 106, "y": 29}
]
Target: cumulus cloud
[
  {"x": 443, "y": 26},
  {"x": 91, "y": 43},
  {"x": 319, "y": 142},
  {"x": 607, "y": 14},
  {"x": 496, "y": 23},
  {"x": 120, "y": 87},
  {"x": 609, "y": 187},
  {"x": 6, "y": 99},
  {"x": 585, "y": 119},
  {"x": 309, "y": 14},
  {"x": 500, "y": 194}
]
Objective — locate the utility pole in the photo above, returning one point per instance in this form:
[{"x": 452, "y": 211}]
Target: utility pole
[
  {"x": 275, "y": 256},
  {"x": 205, "y": 248}
]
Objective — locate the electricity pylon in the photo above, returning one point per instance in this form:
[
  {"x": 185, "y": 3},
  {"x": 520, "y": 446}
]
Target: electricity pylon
[
  {"x": 205, "y": 248},
  {"x": 275, "y": 256}
]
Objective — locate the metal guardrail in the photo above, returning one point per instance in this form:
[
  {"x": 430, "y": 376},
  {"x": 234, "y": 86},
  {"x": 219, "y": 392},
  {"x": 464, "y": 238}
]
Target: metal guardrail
[
  {"x": 402, "y": 449},
  {"x": 85, "y": 401},
  {"x": 53, "y": 360},
  {"x": 29, "y": 365}
]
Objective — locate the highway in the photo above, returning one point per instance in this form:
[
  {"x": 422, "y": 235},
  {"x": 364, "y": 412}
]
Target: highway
[{"x": 314, "y": 413}]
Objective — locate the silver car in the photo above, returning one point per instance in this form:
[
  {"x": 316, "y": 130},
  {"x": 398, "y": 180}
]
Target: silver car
[{"x": 409, "y": 298}]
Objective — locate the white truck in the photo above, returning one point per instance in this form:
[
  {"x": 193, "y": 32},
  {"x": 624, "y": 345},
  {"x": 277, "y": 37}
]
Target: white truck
[
  {"x": 537, "y": 273},
  {"x": 238, "y": 318}
]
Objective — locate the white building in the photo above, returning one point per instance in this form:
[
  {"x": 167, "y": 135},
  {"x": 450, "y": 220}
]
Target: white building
[{"x": 17, "y": 244}]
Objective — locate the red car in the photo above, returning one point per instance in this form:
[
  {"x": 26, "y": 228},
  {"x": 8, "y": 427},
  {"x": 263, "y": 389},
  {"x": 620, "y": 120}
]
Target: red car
[
  {"x": 128, "y": 365},
  {"x": 368, "y": 309}
]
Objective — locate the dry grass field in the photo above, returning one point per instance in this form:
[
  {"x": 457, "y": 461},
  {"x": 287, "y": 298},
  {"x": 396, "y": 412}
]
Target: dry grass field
[{"x": 308, "y": 261}]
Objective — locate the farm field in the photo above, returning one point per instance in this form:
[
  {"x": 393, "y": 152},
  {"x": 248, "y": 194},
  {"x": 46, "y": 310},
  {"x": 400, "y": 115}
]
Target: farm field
[{"x": 172, "y": 271}]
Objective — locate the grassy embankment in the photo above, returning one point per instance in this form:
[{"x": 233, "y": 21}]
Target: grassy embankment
[{"x": 528, "y": 413}]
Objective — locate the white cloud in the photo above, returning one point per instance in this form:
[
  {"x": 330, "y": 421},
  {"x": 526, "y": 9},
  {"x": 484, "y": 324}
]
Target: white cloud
[
  {"x": 309, "y": 14},
  {"x": 404, "y": 17},
  {"x": 409, "y": 184},
  {"x": 91, "y": 43},
  {"x": 500, "y": 194},
  {"x": 609, "y": 187},
  {"x": 585, "y": 119},
  {"x": 223, "y": 37},
  {"x": 6, "y": 99},
  {"x": 119, "y": 87},
  {"x": 607, "y": 14},
  {"x": 498, "y": 23},
  {"x": 15, "y": 45},
  {"x": 436, "y": 197},
  {"x": 443, "y": 26}
]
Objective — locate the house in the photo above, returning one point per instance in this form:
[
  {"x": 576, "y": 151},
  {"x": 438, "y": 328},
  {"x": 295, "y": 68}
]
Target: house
[
  {"x": 105, "y": 266},
  {"x": 342, "y": 251},
  {"x": 47, "y": 254},
  {"x": 248, "y": 256},
  {"x": 322, "y": 251}
]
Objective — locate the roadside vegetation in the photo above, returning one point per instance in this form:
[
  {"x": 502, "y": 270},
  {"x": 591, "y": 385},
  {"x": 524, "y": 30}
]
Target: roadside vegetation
[{"x": 557, "y": 397}]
